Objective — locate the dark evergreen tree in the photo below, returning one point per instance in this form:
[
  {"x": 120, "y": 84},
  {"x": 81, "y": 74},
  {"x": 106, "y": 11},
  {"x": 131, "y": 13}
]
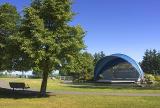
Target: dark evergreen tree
[
  {"x": 151, "y": 62},
  {"x": 98, "y": 56}
]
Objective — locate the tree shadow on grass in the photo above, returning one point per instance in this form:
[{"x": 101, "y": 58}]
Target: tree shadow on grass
[{"x": 20, "y": 94}]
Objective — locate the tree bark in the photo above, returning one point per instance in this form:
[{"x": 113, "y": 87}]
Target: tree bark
[{"x": 44, "y": 83}]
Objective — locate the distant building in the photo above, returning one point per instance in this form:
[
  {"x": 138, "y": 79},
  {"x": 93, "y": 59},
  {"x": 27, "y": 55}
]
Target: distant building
[
  {"x": 17, "y": 73},
  {"x": 26, "y": 74}
]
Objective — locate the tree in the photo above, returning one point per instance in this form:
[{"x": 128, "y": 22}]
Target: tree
[
  {"x": 38, "y": 44},
  {"x": 81, "y": 67},
  {"x": 87, "y": 66},
  {"x": 98, "y": 56},
  {"x": 9, "y": 19},
  {"x": 46, "y": 37},
  {"x": 151, "y": 62}
]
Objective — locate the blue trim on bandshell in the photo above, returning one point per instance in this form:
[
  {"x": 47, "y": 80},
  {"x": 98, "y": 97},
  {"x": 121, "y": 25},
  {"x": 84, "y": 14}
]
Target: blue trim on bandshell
[{"x": 101, "y": 63}]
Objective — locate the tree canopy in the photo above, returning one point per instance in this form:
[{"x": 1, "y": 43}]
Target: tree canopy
[
  {"x": 98, "y": 56},
  {"x": 45, "y": 38},
  {"x": 80, "y": 67},
  {"x": 151, "y": 62},
  {"x": 9, "y": 22}
]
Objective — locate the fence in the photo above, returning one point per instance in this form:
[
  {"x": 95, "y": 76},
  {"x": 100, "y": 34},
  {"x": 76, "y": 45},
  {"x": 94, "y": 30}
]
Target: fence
[{"x": 66, "y": 78}]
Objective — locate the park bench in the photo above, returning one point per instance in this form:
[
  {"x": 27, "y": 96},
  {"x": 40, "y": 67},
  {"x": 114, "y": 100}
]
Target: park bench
[{"x": 18, "y": 85}]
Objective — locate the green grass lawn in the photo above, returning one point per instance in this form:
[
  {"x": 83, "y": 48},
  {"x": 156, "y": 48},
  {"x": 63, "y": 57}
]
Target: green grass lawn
[
  {"x": 78, "y": 101},
  {"x": 81, "y": 101},
  {"x": 57, "y": 85}
]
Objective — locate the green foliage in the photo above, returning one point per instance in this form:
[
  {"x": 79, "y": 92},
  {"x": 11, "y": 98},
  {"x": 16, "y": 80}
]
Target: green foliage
[
  {"x": 86, "y": 66},
  {"x": 45, "y": 38},
  {"x": 38, "y": 43},
  {"x": 55, "y": 13},
  {"x": 37, "y": 74},
  {"x": 9, "y": 19},
  {"x": 157, "y": 78},
  {"x": 150, "y": 79},
  {"x": 98, "y": 56},
  {"x": 81, "y": 67},
  {"x": 36, "y": 4},
  {"x": 42, "y": 41},
  {"x": 151, "y": 62}
]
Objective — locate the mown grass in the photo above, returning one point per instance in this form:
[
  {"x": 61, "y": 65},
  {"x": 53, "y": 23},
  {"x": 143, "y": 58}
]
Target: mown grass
[
  {"x": 81, "y": 101},
  {"x": 9, "y": 99},
  {"x": 58, "y": 85}
]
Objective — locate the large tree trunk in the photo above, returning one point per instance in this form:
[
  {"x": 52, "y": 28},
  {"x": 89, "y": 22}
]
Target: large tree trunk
[{"x": 44, "y": 83}]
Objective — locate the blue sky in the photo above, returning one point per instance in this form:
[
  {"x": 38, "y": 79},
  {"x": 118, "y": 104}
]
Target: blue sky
[{"x": 115, "y": 26}]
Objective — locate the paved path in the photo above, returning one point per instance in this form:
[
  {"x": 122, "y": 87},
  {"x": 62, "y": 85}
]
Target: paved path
[{"x": 5, "y": 84}]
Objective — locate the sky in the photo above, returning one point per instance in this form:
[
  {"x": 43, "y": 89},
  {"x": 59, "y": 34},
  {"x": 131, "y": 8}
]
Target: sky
[{"x": 115, "y": 26}]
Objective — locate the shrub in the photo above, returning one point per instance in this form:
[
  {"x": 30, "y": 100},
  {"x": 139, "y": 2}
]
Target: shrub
[
  {"x": 157, "y": 78},
  {"x": 149, "y": 79}
]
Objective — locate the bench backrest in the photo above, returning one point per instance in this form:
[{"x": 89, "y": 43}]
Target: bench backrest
[{"x": 17, "y": 84}]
